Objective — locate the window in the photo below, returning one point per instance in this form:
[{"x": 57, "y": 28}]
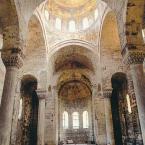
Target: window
[
  {"x": 46, "y": 15},
  {"x": 128, "y": 104},
  {"x": 75, "y": 117},
  {"x": 65, "y": 120},
  {"x": 143, "y": 34},
  {"x": 85, "y": 120},
  {"x": 58, "y": 24},
  {"x": 96, "y": 14},
  {"x": 20, "y": 110},
  {"x": 72, "y": 26},
  {"x": 85, "y": 23}
]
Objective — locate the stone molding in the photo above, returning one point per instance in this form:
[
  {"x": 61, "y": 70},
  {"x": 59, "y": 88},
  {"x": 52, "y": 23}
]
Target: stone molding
[
  {"x": 134, "y": 57},
  {"x": 41, "y": 94},
  {"x": 107, "y": 93},
  {"x": 12, "y": 57}
]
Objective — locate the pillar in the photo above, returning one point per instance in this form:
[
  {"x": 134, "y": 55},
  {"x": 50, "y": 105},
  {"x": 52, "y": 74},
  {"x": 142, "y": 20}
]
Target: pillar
[
  {"x": 135, "y": 60},
  {"x": 41, "y": 116},
  {"x": 12, "y": 59},
  {"x": 108, "y": 115}
]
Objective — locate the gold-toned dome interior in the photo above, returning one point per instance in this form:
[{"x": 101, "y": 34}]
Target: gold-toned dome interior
[
  {"x": 69, "y": 9},
  {"x": 71, "y": 3}
]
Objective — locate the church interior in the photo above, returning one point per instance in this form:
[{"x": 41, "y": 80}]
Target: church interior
[{"x": 72, "y": 72}]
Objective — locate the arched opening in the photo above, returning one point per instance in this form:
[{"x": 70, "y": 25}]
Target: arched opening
[
  {"x": 72, "y": 66},
  {"x": 58, "y": 23},
  {"x": 85, "y": 23},
  {"x": 110, "y": 48},
  {"x": 72, "y": 26},
  {"x": 85, "y": 119},
  {"x": 119, "y": 85},
  {"x": 75, "y": 96},
  {"x": 75, "y": 119},
  {"x": 28, "y": 111},
  {"x": 65, "y": 120}
]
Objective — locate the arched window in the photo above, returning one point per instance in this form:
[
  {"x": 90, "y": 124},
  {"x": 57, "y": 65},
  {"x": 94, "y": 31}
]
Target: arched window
[
  {"x": 85, "y": 23},
  {"x": 85, "y": 119},
  {"x": 58, "y": 24},
  {"x": 75, "y": 117},
  {"x": 96, "y": 14},
  {"x": 46, "y": 13},
  {"x": 143, "y": 34},
  {"x": 20, "y": 110},
  {"x": 65, "y": 120},
  {"x": 72, "y": 26},
  {"x": 128, "y": 104}
]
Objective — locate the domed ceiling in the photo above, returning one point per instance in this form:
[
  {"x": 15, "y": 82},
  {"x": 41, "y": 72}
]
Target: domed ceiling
[{"x": 68, "y": 9}]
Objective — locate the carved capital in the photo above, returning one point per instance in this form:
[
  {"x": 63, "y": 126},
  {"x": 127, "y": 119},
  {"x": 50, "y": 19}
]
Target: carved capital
[
  {"x": 41, "y": 94},
  {"x": 107, "y": 93},
  {"x": 134, "y": 57},
  {"x": 12, "y": 57}
]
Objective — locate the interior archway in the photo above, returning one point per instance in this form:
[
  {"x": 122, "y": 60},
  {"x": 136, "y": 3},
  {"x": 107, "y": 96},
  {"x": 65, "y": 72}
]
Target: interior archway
[
  {"x": 75, "y": 97},
  {"x": 110, "y": 49},
  {"x": 27, "y": 125}
]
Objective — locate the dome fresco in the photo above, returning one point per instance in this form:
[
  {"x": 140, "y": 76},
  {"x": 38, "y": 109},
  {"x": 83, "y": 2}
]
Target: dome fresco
[{"x": 72, "y": 13}]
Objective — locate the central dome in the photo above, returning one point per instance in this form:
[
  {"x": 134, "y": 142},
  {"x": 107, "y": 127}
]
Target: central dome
[
  {"x": 67, "y": 9},
  {"x": 74, "y": 15},
  {"x": 71, "y": 3}
]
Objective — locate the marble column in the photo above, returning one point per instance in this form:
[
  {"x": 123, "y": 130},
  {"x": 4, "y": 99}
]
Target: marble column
[
  {"x": 108, "y": 115},
  {"x": 135, "y": 60},
  {"x": 13, "y": 60},
  {"x": 41, "y": 116}
]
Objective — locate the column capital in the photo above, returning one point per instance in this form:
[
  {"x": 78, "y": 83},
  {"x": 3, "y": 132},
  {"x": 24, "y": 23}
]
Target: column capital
[
  {"x": 12, "y": 57},
  {"x": 41, "y": 94},
  {"x": 107, "y": 93},
  {"x": 134, "y": 57}
]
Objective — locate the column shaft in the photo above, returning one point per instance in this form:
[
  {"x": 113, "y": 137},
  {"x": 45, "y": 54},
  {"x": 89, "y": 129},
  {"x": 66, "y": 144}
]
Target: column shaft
[
  {"x": 139, "y": 87},
  {"x": 135, "y": 58},
  {"x": 108, "y": 116},
  {"x": 6, "y": 108},
  {"x": 41, "y": 122},
  {"x": 12, "y": 59},
  {"x": 41, "y": 117}
]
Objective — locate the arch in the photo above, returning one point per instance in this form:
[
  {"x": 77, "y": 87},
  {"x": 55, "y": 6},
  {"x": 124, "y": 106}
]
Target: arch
[
  {"x": 119, "y": 85},
  {"x": 110, "y": 48},
  {"x": 29, "y": 120},
  {"x": 76, "y": 42},
  {"x": 79, "y": 51},
  {"x": 118, "y": 79},
  {"x": 28, "y": 82}
]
